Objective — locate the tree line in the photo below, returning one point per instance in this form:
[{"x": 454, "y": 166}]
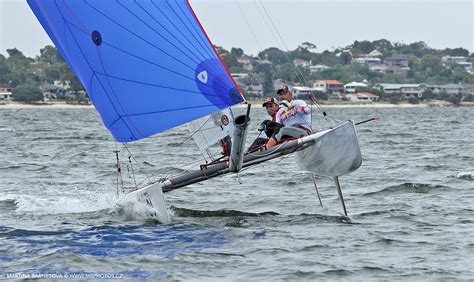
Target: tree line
[
  {"x": 424, "y": 62},
  {"x": 27, "y": 74}
]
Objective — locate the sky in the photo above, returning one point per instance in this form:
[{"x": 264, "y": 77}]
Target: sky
[{"x": 328, "y": 24}]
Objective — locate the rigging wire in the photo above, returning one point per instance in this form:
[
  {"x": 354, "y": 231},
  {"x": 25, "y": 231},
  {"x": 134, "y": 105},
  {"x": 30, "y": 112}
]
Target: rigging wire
[
  {"x": 261, "y": 48},
  {"x": 272, "y": 71},
  {"x": 288, "y": 55}
]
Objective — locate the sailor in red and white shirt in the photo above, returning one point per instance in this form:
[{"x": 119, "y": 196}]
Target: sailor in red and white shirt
[{"x": 295, "y": 115}]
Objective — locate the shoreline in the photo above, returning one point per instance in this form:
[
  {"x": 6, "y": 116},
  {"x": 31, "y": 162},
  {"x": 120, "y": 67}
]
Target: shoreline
[{"x": 63, "y": 105}]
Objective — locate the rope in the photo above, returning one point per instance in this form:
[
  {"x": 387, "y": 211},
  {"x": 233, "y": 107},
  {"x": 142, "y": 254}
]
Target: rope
[{"x": 288, "y": 56}]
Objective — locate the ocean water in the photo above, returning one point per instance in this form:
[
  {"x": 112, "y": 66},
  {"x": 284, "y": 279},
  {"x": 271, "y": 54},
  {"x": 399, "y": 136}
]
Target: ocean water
[{"x": 410, "y": 205}]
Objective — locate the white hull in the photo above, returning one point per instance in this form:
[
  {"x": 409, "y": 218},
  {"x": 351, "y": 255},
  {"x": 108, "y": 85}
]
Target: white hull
[
  {"x": 335, "y": 151},
  {"x": 332, "y": 152},
  {"x": 148, "y": 202}
]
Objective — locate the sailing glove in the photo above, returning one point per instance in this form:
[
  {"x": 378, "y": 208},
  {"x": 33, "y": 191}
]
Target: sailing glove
[
  {"x": 286, "y": 104},
  {"x": 263, "y": 126}
]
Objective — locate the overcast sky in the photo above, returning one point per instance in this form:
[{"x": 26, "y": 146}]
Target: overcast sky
[{"x": 326, "y": 23}]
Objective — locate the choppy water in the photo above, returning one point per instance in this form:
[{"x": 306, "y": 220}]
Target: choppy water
[{"x": 410, "y": 205}]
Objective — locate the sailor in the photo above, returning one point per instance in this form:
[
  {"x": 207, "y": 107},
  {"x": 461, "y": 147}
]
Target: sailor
[
  {"x": 272, "y": 106},
  {"x": 295, "y": 115}
]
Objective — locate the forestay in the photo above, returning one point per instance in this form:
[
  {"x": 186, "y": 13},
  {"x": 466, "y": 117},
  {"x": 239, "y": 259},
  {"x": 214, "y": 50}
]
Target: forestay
[{"x": 147, "y": 65}]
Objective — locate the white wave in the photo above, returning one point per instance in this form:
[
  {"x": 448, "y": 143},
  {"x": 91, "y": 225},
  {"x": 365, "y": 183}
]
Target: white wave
[
  {"x": 62, "y": 204},
  {"x": 133, "y": 209},
  {"x": 466, "y": 175}
]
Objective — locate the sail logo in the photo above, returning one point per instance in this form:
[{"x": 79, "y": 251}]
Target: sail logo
[{"x": 202, "y": 76}]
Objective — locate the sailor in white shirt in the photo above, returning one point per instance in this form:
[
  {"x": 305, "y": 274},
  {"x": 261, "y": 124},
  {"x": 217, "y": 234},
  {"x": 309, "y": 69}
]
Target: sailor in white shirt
[{"x": 295, "y": 115}]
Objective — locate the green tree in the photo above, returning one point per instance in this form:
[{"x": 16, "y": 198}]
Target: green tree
[
  {"x": 468, "y": 98},
  {"x": 395, "y": 98},
  {"x": 456, "y": 52},
  {"x": 442, "y": 95},
  {"x": 236, "y": 52},
  {"x": 308, "y": 46},
  {"x": 460, "y": 75},
  {"x": 4, "y": 69},
  {"x": 383, "y": 45},
  {"x": 430, "y": 65},
  {"x": 428, "y": 94},
  {"x": 49, "y": 54},
  {"x": 27, "y": 93},
  {"x": 364, "y": 46},
  {"x": 413, "y": 100},
  {"x": 274, "y": 55},
  {"x": 303, "y": 51},
  {"x": 52, "y": 73},
  {"x": 455, "y": 99},
  {"x": 268, "y": 84},
  {"x": 345, "y": 58},
  {"x": 16, "y": 77},
  {"x": 17, "y": 61},
  {"x": 329, "y": 58}
]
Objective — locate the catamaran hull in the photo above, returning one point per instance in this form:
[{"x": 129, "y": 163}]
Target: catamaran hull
[
  {"x": 148, "y": 201},
  {"x": 335, "y": 152}
]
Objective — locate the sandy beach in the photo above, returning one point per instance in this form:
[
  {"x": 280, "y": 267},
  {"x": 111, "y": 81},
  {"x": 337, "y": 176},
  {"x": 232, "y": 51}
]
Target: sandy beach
[
  {"x": 63, "y": 105},
  {"x": 49, "y": 105}
]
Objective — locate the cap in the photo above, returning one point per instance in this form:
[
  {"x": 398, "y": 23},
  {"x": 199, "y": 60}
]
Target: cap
[
  {"x": 270, "y": 100},
  {"x": 282, "y": 87}
]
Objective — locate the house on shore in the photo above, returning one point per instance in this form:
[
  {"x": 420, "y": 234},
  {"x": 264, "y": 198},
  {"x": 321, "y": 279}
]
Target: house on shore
[
  {"x": 407, "y": 90},
  {"x": 329, "y": 86},
  {"x": 247, "y": 62},
  {"x": 452, "y": 60},
  {"x": 53, "y": 92},
  {"x": 361, "y": 97},
  {"x": 302, "y": 63},
  {"x": 6, "y": 92},
  {"x": 352, "y": 86},
  {"x": 400, "y": 61},
  {"x": 369, "y": 61},
  {"x": 251, "y": 85},
  {"x": 450, "y": 88},
  {"x": 318, "y": 68},
  {"x": 303, "y": 90}
]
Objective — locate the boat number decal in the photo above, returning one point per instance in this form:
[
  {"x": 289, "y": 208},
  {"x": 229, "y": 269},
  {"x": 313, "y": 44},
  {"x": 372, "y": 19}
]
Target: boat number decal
[
  {"x": 146, "y": 198},
  {"x": 224, "y": 120},
  {"x": 202, "y": 76}
]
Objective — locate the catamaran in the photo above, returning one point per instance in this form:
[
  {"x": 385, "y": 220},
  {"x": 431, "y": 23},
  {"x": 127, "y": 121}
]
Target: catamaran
[{"x": 149, "y": 66}]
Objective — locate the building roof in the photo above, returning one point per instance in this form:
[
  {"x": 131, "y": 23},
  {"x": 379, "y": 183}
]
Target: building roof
[
  {"x": 331, "y": 81},
  {"x": 446, "y": 86},
  {"x": 245, "y": 59},
  {"x": 304, "y": 88},
  {"x": 390, "y": 86},
  {"x": 368, "y": 59},
  {"x": 356, "y": 84},
  {"x": 375, "y": 53},
  {"x": 319, "y": 67}
]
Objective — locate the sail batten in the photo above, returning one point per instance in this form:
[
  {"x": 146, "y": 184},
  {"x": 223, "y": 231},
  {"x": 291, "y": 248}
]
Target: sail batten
[{"x": 147, "y": 65}]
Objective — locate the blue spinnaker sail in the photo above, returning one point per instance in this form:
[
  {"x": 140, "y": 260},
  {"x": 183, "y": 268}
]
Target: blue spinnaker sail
[{"x": 147, "y": 65}]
